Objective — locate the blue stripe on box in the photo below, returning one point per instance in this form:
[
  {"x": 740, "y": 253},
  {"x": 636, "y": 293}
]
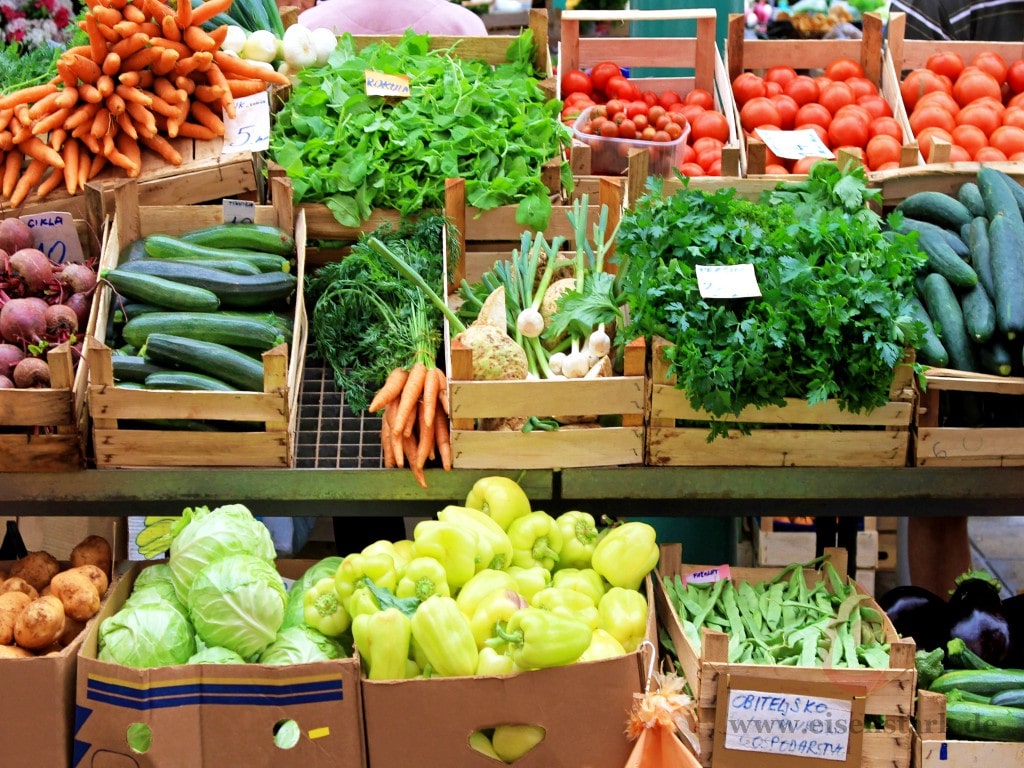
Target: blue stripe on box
[
  {"x": 944, "y": 751},
  {"x": 224, "y": 694}
]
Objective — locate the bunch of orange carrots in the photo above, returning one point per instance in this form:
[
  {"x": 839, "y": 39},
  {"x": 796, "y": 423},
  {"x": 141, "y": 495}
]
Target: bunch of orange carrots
[
  {"x": 415, "y": 424},
  {"x": 149, "y": 74}
]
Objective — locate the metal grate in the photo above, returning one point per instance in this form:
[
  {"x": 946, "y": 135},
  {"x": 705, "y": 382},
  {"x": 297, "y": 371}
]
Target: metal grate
[{"x": 331, "y": 435}]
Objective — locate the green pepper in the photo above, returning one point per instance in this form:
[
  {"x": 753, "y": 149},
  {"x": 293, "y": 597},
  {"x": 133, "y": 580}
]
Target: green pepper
[
  {"x": 530, "y": 581},
  {"x": 492, "y": 611},
  {"x": 567, "y": 602},
  {"x": 538, "y": 639},
  {"x": 603, "y": 645},
  {"x": 322, "y": 609},
  {"x": 486, "y": 529},
  {"x": 382, "y": 639},
  {"x": 494, "y": 662},
  {"x": 444, "y": 637},
  {"x": 579, "y": 537},
  {"x": 361, "y": 602},
  {"x": 482, "y": 584},
  {"x": 453, "y": 547},
  {"x": 585, "y": 580},
  {"x": 405, "y": 551},
  {"x": 626, "y": 554},
  {"x": 379, "y": 567},
  {"x": 500, "y": 498},
  {"x": 383, "y": 546},
  {"x": 423, "y": 577},
  {"x": 536, "y": 540},
  {"x": 623, "y": 614}
]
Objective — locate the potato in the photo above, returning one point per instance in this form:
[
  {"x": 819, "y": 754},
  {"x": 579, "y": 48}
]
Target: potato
[
  {"x": 18, "y": 584},
  {"x": 14, "y": 652},
  {"x": 93, "y": 550},
  {"x": 94, "y": 574},
  {"x": 11, "y": 604},
  {"x": 4, "y": 574},
  {"x": 37, "y": 568},
  {"x": 76, "y": 593},
  {"x": 40, "y": 623},
  {"x": 71, "y": 629}
]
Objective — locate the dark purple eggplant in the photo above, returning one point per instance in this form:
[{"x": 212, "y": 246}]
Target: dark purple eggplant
[
  {"x": 918, "y": 613},
  {"x": 1013, "y": 611},
  {"x": 976, "y": 617}
]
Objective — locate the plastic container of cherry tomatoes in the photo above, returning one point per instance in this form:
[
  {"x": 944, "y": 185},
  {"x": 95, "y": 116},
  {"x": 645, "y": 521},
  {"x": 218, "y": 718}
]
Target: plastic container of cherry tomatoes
[{"x": 609, "y": 156}]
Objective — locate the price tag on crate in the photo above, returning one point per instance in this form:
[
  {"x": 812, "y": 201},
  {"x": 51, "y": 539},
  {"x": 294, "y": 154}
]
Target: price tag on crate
[
  {"x": 238, "y": 211},
  {"x": 54, "y": 233},
  {"x": 249, "y": 129},
  {"x": 793, "y": 145}
]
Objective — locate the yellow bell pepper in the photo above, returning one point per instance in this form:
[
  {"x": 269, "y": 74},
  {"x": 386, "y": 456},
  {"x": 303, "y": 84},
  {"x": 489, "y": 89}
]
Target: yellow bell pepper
[
  {"x": 492, "y": 611},
  {"x": 423, "y": 577},
  {"x": 530, "y": 581},
  {"x": 444, "y": 637},
  {"x": 486, "y": 529},
  {"x": 585, "y": 580},
  {"x": 382, "y": 639},
  {"x": 623, "y": 614},
  {"x": 626, "y": 554},
  {"x": 500, "y": 498},
  {"x": 536, "y": 540},
  {"x": 457, "y": 549},
  {"x": 568, "y": 603},
  {"x": 481, "y": 585}
]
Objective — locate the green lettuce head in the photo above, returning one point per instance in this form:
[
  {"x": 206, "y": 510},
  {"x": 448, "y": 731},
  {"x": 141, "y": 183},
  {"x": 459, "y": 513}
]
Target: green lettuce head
[
  {"x": 216, "y": 655},
  {"x": 147, "y": 633},
  {"x": 299, "y": 645}
]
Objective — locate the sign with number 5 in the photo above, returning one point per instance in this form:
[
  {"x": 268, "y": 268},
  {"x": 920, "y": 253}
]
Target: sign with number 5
[{"x": 249, "y": 129}]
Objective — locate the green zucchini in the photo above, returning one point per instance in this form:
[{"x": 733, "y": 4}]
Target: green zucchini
[
  {"x": 955, "y": 241},
  {"x": 1006, "y": 242},
  {"x": 959, "y": 656},
  {"x": 133, "y": 368},
  {"x": 207, "y": 357},
  {"x": 930, "y": 350},
  {"x": 995, "y": 358},
  {"x": 979, "y": 314},
  {"x": 981, "y": 253},
  {"x": 255, "y": 237},
  {"x": 936, "y": 207},
  {"x": 989, "y": 722},
  {"x": 136, "y": 249},
  {"x": 945, "y": 312},
  {"x": 167, "y": 247},
  {"x": 240, "y": 291},
  {"x": 943, "y": 260},
  {"x": 998, "y": 196},
  {"x": 970, "y": 196},
  {"x": 187, "y": 380},
  {"x": 1014, "y": 698},
  {"x": 234, "y": 266},
  {"x": 205, "y": 326},
  {"x": 987, "y": 682},
  {"x": 161, "y": 292},
  {"x": 1013, "y": 185}
]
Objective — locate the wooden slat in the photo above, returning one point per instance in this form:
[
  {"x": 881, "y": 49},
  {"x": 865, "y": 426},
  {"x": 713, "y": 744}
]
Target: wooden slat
[
  {"x": 566, "y": 447},
  {"x": 966, "y": 446},
  {"x": 501, "y": 399},
  {"x": 167, "y": 448},
  {"x": 40, "y": 453}
]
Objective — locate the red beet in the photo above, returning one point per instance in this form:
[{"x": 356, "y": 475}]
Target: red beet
[
  {"x": 61, "y": 321},
  {"x": 31, "y": 372},
  {"x": 32, "y": 269},
  {"x": 22, "y": 321},
  {"x": 80, "y": 303},
  {"x": 15, "y": 235},
  {"x": 6, "y": 383},
  {"x": 10, "y": 356},
  {"x": 77, "y": 277}
]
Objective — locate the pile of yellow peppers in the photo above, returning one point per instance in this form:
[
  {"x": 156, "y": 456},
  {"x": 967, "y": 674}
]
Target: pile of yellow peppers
[{"x": 493, "y": 587}]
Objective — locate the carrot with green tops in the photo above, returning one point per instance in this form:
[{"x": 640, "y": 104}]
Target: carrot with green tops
[
  {"x": 410, "y": 448},
  {"x": 38, "y": 149},
  {"x": 236, "y": 66},
  {"x": 411, "y": 393},
  {"x": 390, "y": 390},
  {"x": 431, "y": 387},
  {"x": 443, "y": 439},
  {"x": 205, "y": 11}
]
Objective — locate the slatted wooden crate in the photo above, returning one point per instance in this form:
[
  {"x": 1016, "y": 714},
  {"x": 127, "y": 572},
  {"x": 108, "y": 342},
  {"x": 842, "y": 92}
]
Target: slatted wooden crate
[
  {"x": 779, "y": 548},
  {"x": 697, "y": 59},
  {"x": 113, "y": 408},
  {"x": 797, "y": 434},
  {"x": 932, "y": 748},
  {"x": 887, "y": 692},
  {"x": 490, "y": 236}
]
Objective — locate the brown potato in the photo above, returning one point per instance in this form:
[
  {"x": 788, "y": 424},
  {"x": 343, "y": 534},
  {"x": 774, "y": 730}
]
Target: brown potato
[
  {"x": 37, "y": 568},
  {"x": 11, "y": 604},
  {"x": 71, "y": 629},
  {"x": 94, "y": 574},
  {"x": 18, "y": 584},
  {"x": 76, "y": 593},
  {"x": 4, "y": 574},
  {"x": 40, "y": 623},
  {"x": 93, "y": 550},
  {"x": 14, "y": 652}
]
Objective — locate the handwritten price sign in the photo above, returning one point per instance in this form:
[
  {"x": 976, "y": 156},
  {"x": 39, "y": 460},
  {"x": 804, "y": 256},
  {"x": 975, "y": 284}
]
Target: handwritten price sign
[
  {"x": 249, "y": 129},
  {"x": 55, "y": 235},
  {"x": 793, "y": 145},
  {"x": 238, "y": 211}
]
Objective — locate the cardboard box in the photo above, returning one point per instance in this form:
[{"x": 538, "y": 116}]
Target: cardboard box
[
  {"x": 933, "y": 750},
  {"x": 216, "y": 715},
  {"x": 276, "y": 407},
  {"x": 712, "y": 678},
  {"x": 582, "y": 707}
]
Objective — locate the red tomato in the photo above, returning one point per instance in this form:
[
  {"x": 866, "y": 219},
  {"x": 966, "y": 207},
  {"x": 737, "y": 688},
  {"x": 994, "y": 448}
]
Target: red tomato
[
  {"x": 619, "y": 87},
  {"x": 627, "y": 129},
  {"x": 609, "y": 129},
  {"x": 668, "y": 98},
  {"x": 576, "y": 98},
  {"x": 601, "y": 73},
  {"x": 576, "y": 81},
  {"x": 655, "y": 112},
  {"x": 615, "y": 106},
  {"x": 640, "y": 121},
  {"x": 635, "y": 108},
  {"x": 647, "y": 134},
  {"x": 650, "y": 97}
]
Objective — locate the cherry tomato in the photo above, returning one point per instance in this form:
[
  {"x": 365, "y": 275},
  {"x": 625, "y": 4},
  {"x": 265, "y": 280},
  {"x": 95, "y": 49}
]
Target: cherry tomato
[
  {"x": 619, "y": 87},
  {"x": 647, "y": 134},
  {"x": 576, "y": 98},
  {"x": 674, "y": 130},
  {"x": 615, "y": 106},
  {"x": 662, "y": 136},
  {"x": 661, "y": 121},
  {"x": 601, "y": 73},
  {"x": 627, "y": 129},
  {"x": 640, "y": 121},
  {"x": 635, "y": 108},
  {"x": 609, "y": 129},
  {"x": 655, "y": 112}
]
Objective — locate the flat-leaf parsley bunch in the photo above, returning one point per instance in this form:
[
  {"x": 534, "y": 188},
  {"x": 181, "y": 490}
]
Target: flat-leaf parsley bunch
[{"x": 832, "y": 320}]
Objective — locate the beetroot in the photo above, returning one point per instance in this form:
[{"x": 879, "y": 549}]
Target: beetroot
[
  {"x": 77, "y": 277},
  {"x": 10, "y": 356},
  {"x": 15, "y": 235},
  {"x": 31, "y": 372},
  {"x": 6, "y": 383},
  {"x": 80, "y": 303},
  {"x": 30, "y": 271},
  {"x": 61, "y": 321},
  {"x": 22, "y": 321}
]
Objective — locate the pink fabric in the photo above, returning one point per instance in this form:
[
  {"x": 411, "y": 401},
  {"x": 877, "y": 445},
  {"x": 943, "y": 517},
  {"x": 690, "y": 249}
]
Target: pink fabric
[{"x": 393, "y": 17}]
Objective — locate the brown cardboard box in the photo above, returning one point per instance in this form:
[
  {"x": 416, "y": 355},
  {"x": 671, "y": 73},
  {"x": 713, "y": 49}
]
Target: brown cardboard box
[
  {"x": 216, "y": 715},
  {"x": 582, "y": 707}
]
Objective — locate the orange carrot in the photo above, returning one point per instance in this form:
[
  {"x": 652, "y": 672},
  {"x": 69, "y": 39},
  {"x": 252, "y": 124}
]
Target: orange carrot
[
  {"x": 245, "y": 87},
  {"x": 203, "y": 12},
  {"x": 209, "y": 93},
  {"x": 185, "y": 83},
  {"x": 125, "y": 28},
  {"x": 162, "y": 147},
  {"x": 183, "y": 14},
  {"x": 5, "y": 117},
  {"x": 26, "y": 95},
  {"x": 143, "y": 58},
  {"x": 80, "y": 115},
  {"x": 53, "y": 180},
  {"x": 156, "y": 9},
  {"x": 443, "y": 438},
  {"x": 105, "y": 85},
  {"x": 115, "y": 103},
  {"x": 104, "y": 15},
  {"x": 170, "y": 29},
  {"x": 215, "y": 76},
  {"x": 198, "y": 39},
  {"x": 90, "y": 93},
  {"x": 85, "y": 160},
  {"x": 44, "y": 106},
  {"x": 134, "y": 13},
  {"x": 126, "y": 124},
  {"x": 409, "y": 446},
  {"x": 19, "y": 130},
  {"x": 111, "y": 64},
  {"x": 206, "y": 117},
  {"x": 130, "y": 148},
  {"x": 67, "y": 98},
  {"x": 87, "y": 70},
  {"x": 22, "y": 116},
  {"x": 219, "y": 35},
  {"x": 236, "y": 66},
  {"x": 163, "y": 88},
  {"x": 431, "y": 386},
  {"x": 97, "y": 43},
  {"x": 165, "y": 42},
  {"x": 101, "y": 123},
  {"x": 91, "y": 142},
  {"x": 145, "y": 121},
  {"x": 166, "y": 62},
  {"x": 387, "y": 449},
  {"x": 424, "y": 438},
  {"x": 161, "y": 107},
  {"x": 390, "y": 390},
  {"x": 70, "y": 152},
  {"x": 133, "y": 94},
  {"x": 127, "y": 47},
  {"x": 57, "y": 138},
  {"x": 6, "y": 141},
  {"x": 442, "y": 390},
  {"x": 411, "y": 392},
  {"x": 396, "y": 444},
  {"x": 30, "y": 176},
  {"x": 199, "y": 61},
  {"x": 51, "y": 122},
  {"x": 37, "y": 149},
  {"x": 119, "y": 158},
  {"x": 12, "y": 170},
  {"x": 194, "y": 131}
]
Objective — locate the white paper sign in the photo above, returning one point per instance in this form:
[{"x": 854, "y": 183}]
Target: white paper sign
[
  {"x": 238, "y": 211},
  {"x": 727, "y": 281},
  {"x": 54, "y": 233},
  {"x": 383, "y": 84},
  {"x": 249, "y": 129},
  {"x": 792, "y": 725},
  {"x": 708, "y": 575},
  {"x": 793, "y": 145}
]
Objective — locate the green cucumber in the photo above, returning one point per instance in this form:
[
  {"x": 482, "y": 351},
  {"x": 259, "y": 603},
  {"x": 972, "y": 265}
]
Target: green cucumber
[
  {"x": 1013, "y": 185},
  {"x": 1006, "y": 242},
  {"x": 945, "y": 312},
  {"x": 998, "y": 197},
  {"x": 160, "y": 292},
  {"x": 1014, "y": 698},
  {"x": 955, "y": 241},
  {"x": 205, "y": 326},
  {"x": 936, "y": 207},
  {"x": 987, "y": 682},
  {"x": 943, "y": 260},
  {"x": 995, "y": 358},
  {"x": 167, "y": 247},
  {"x": 930, "y": 350},
  {"x": 988, "y": 722},
  {"x": 207, "y": 357},
  {"x": 133, "y": 368},
  {"x": 970, "y": 196},
  {"x": 233, "y": 266},
  {"x": 981, "y": 253},
  {"x": 254, "y": 237},
  {"x": 187, "y": 380},
  {"x": 979, "y": 314},
  {"x": 240, "y": 291}
]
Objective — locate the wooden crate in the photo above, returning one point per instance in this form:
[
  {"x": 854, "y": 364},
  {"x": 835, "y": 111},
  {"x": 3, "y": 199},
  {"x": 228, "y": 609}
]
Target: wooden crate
[
  {"x": 886, "y": 692},
  {"x": 115, "y": 445},
  {"x": 743, "y": 54},
  {"x": 697, "y": 56},
  {"x": 581, "y": 445},
  {"x": 940, "y": 445},
  {"x": 45, "y": 430},
  {"x": 933, "y": 750},
  {"x": 780, "y": 548},
  {"x": 797, "y": 434}
]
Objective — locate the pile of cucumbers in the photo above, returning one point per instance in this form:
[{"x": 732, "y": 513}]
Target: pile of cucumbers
[
  {"x": 971, "y": 294},
  {"x": 199, "y": 309}
]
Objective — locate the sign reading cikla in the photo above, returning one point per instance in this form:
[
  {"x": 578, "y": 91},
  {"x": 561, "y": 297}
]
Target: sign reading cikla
[
  {"x": 787, "y": 723},
  {"x": 54, "y": 233},
  {"x": 383, "y": 84},
  {"x": 727, "y": 281}
]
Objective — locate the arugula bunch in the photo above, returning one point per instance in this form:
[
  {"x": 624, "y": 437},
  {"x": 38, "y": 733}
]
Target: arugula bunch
[
  {"x": 831, "y": 321},
  {"x": 492, "y": 126}
]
